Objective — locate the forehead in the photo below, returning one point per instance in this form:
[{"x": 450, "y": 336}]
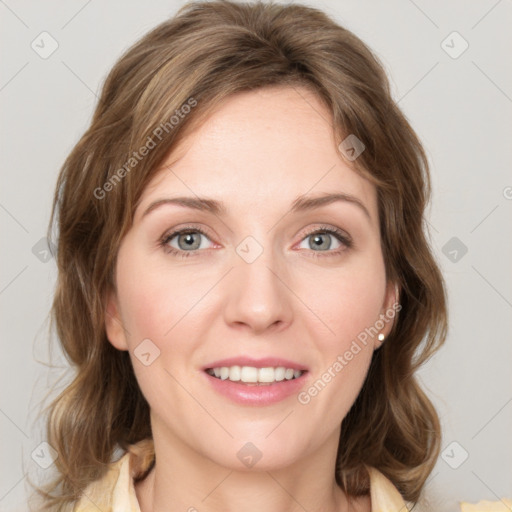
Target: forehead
[{"x": 260, "y": 149}]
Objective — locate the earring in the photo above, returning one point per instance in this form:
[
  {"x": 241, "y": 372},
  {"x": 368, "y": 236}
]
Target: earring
[{"x": 381, "y": 337}]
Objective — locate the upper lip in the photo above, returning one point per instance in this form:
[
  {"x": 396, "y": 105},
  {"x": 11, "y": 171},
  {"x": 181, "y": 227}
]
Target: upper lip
[{"x": 264, "y": 362}]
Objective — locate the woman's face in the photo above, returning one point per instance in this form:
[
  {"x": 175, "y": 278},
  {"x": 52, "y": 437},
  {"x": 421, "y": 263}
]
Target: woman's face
[{"x": 261, "y": 276}]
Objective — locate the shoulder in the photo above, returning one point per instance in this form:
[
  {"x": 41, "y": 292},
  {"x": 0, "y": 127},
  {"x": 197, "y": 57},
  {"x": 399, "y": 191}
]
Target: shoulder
[
  {"x": 383, "y": 494},
  {"x": 486, "y": 506},
  {"x": 115, "y": 491},
  {"x": 385, "y": 497},
  {"x": 98, "y": 494}
]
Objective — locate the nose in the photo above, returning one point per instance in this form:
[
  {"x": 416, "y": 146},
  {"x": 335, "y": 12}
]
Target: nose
[{"x": 258, "y": 296}]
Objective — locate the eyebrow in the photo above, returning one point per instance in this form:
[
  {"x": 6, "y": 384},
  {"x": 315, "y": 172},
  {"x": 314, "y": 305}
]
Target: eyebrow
[{"x": 300, "y": 204}]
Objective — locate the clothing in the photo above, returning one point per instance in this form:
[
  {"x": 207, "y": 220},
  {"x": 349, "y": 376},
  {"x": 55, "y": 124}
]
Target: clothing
[{"x": 115, "y": 492}]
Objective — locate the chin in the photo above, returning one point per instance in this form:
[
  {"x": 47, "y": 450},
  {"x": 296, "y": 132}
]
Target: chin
[{"x": 256, "y": 453}]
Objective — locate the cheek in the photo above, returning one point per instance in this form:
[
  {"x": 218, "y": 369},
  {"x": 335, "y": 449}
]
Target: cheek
[
  {"x": 156, "y": 305},
  {"x": 155, "y": 298},
  {"x": 347, "y": 301},
  {"x": 158, "y": 299},
  {"x": 349, "y": 306},
  {"x": 144, "y": 308}
]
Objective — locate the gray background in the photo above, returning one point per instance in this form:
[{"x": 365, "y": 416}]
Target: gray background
[{"x": 461, "y": 108}]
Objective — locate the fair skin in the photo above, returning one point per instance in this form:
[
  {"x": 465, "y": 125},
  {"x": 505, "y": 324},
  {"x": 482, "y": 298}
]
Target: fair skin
[{"x": 257, "y": 153}]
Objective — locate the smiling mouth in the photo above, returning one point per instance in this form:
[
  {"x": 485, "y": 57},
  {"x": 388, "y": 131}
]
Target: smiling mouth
[{"x": 253, "y": 376}]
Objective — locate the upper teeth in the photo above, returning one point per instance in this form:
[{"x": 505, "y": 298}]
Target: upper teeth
[{"x": 252, "y": 374}]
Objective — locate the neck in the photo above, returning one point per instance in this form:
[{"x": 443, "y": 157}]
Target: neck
[{"x": 185, "y": 480}]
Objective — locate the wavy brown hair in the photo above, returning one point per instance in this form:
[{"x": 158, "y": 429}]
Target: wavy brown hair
[{"x": 201, "y": 56}]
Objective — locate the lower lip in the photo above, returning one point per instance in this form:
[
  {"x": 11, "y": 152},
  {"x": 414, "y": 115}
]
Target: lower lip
[{"x": 266, "y": 394}]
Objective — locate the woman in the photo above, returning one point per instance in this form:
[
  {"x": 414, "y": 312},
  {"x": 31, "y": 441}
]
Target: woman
[{"x": 245, "y": 285}]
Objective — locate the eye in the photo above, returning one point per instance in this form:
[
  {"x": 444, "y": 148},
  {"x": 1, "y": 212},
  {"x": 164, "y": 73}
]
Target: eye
[
  {"x": 184, "y": 242},
  {"x": 188, "y": 241},
  {"x": 321, "y": 240}
]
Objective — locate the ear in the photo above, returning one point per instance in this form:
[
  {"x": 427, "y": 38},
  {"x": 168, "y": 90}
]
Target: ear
[
  {"x": 114, "y": 323},
  {"x": 389, "y": 312}
]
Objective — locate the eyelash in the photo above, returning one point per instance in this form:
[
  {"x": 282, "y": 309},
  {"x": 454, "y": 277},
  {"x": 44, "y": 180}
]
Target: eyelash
[{"x": 341, "y": 236}]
